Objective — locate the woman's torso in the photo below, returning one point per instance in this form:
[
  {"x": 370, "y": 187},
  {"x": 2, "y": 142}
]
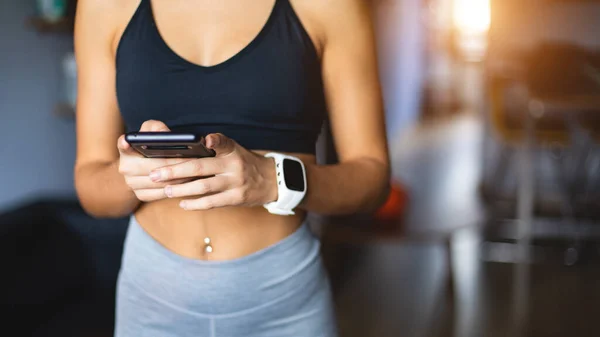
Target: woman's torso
[{"x": 250, "y": 68}]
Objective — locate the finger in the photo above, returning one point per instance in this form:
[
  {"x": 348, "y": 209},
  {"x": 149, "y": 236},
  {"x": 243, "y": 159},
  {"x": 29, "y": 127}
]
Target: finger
[
  {"x": 142, "y": 167},
  {"x": 144, "y": 182},
  {"x": 202, "y": 167},
  {"x": 148, "y": 195},
  {"x": 222, "y": 144},
  {"x": 154, "y": 126},
  {"x": 197, "y": 187},
  {"x": 227, "y": 198}
]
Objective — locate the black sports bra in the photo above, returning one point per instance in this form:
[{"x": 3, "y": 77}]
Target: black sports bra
[{"x": 269, "y": 96}]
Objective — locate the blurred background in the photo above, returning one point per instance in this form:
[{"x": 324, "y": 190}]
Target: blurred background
[{"x": 493, "y": 225}]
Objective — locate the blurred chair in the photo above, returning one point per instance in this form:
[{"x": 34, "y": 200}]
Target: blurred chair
[{"x": 549, "y": 107}]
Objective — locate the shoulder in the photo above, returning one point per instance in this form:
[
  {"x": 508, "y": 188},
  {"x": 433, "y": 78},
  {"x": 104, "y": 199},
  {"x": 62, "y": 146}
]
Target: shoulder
[
  {"x": 330, "y": 19},
  {"x": 107, "y": 12},
  {"x": 102, "y": 8},
  {"x": 102, "y": 19}
]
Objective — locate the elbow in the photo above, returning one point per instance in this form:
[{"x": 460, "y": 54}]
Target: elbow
[
  {"x": 97, "y": 211},
  {"x": 380, "y": 195},
  {"x": 97, "y": 206},
  {"x": 381, "y": 188},
  {"x": 94, "y": 207},
  {"x": 86, "y": 198}
]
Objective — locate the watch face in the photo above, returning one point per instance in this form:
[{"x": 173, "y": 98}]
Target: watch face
[{"x": 294, "y": 177}]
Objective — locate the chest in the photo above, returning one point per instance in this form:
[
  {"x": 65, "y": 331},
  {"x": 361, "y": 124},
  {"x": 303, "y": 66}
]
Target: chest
[
  {"x": 270, "y": 76},
  {"x": 207, "y": 32}
]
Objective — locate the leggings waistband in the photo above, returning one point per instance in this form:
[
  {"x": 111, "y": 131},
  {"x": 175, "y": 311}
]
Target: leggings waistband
[{"x": 221, "y": 287}]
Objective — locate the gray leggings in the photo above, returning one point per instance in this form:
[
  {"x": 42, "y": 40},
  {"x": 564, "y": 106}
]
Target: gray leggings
[{"x": 282, "y": 290}]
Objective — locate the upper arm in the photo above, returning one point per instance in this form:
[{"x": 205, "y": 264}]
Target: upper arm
[
  {"x": 351, "y": 80},
  {"x": 98, "y": 119}
]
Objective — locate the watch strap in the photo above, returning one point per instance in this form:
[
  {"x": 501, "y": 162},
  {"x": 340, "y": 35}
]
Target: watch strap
[{"x": 287, "y": 200}]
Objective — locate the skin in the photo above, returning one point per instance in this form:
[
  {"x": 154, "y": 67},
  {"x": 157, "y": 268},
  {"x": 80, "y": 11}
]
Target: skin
[{"x": 173, "y": 199}]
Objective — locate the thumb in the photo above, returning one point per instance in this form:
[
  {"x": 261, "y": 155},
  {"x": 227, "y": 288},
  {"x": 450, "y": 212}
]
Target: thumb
[
  {"x": 154, "y": 126},
  {"x": 220, "y": 143},
  {"x": 125, "y": 148}
]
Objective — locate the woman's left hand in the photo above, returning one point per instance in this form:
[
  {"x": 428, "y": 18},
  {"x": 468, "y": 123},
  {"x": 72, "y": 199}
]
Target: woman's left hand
[{"x": 234, "y": 177}]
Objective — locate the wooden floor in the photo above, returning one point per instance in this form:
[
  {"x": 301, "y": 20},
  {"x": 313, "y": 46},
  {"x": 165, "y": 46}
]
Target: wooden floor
[{"x": 397, "y": 285}]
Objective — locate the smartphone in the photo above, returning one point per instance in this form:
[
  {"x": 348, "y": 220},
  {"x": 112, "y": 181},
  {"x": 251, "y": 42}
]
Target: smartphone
[{"x": 169, "y": 145}]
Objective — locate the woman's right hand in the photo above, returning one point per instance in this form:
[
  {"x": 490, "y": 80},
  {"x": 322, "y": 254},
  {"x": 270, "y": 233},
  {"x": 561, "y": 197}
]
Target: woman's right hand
[{"x": 136, "y": 168}]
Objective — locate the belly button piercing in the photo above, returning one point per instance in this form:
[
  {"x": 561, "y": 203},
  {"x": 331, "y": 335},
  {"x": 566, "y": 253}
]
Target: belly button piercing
[{"x": 207, "y": 245}]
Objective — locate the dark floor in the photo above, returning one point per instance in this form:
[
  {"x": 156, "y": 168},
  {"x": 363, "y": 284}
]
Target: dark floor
[{"x": 398, "y": 287}]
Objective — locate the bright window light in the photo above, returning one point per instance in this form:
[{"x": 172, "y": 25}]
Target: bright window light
[{"x": 472, "y": 16}]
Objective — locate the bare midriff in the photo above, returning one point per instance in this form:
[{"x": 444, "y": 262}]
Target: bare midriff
[{"x": 234, "y": 231}]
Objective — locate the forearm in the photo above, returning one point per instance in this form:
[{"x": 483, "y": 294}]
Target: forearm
[
  {"x": 353, "y": 187},
  {"x": 102, "y": 190}
]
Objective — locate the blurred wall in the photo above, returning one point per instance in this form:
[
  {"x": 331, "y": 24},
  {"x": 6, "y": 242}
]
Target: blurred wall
[
  {"x": 37, "y": 150},
  {"x": 522, "y": 24},
  {"x": 401, "y": 47}
]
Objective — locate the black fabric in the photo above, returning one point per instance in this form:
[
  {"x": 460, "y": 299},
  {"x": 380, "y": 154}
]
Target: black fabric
[{"x": 269, "y": 96}]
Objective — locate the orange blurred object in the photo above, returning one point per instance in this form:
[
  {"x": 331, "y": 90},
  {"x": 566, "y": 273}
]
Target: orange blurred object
[{"x": 395, "y": 205}]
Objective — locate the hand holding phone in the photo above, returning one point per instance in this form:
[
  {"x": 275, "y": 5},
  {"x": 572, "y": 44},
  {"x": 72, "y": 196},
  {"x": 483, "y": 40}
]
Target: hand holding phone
[
  {"x": 168, "y": 145},
  {"x": 136, "y": 161}
]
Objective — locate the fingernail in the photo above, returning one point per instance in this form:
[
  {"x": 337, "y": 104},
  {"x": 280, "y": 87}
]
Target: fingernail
[
  {"x": 214, "y": 141},
  {"x": 155, "y": 175},
  {"x": 169, "y": 191},
  {"x": 182, "y": 204}
]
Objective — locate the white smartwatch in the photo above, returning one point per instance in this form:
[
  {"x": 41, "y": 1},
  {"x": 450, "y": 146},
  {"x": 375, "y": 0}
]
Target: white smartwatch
[{"x": 291, "y": 184}]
